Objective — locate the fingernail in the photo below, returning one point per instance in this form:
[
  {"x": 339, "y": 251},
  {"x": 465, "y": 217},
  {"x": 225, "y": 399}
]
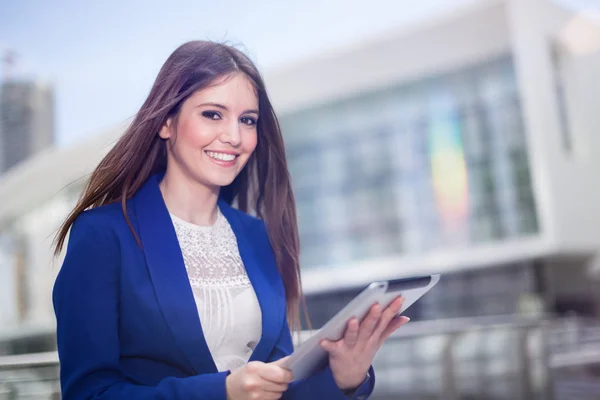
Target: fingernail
[{"x": 407, "y": 319}]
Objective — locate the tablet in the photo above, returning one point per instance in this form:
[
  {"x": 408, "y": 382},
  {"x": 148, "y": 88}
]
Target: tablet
[{"x": 310, "y": 357}]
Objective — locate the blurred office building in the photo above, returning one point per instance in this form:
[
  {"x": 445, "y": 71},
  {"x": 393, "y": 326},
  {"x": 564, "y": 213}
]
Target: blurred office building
[
  {"x": 466, "y": 145},
  {"x": 26, "y": 121},
  {"x": 469, "y": 146}
]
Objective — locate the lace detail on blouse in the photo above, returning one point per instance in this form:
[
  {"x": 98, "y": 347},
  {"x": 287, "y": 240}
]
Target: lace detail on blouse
[{"x": 227, "y": 305}]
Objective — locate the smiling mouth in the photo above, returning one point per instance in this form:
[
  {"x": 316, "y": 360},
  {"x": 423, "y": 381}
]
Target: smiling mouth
[{"x": 221, "y": 156}]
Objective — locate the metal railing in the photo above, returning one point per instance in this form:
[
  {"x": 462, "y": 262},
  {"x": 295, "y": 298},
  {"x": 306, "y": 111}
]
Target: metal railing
[
  {"x": 29, "y": 376},
  {"x": 575, "y": 360},
  {"x": 475, "y": 358},
  {"x": 507, "y": 357}
]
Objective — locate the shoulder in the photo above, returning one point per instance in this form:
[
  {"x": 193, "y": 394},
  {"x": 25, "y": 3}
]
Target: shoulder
[
  {"x": 98, "y": 224},
  {"x": 109, "y": 213},
  {"x": 92, "y": 256}
]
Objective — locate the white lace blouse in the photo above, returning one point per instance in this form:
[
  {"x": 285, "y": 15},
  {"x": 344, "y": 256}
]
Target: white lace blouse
[{"x": 226, "y": 302}]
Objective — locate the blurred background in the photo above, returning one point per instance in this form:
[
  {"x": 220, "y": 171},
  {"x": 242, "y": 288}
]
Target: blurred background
[{"x": 454, "y": 137}]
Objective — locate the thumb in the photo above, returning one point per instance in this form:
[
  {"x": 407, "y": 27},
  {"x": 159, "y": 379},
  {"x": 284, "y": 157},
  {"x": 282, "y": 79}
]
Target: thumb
[
  {"x": 328, "y": 345},
  {"x": 281, "y": 362}
]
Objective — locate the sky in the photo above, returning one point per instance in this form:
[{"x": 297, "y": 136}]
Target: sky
[{"x": 101, "y": 57}]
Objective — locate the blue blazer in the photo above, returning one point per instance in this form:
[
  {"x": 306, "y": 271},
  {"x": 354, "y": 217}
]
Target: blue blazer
[{"x": 127, "y": 323}]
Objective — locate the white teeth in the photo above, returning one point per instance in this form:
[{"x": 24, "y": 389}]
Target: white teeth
[{"x": 221, "y": 156}]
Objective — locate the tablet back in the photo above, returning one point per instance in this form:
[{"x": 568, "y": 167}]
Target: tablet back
[{"x": 309, "y": 357}]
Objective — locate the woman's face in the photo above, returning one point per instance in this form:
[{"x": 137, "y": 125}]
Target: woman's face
[{"x": 215, "y": 133}]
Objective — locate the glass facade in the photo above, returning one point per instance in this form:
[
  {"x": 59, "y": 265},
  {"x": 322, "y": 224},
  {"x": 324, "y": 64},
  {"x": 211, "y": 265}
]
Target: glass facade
[{"x": 438, "y": 163}]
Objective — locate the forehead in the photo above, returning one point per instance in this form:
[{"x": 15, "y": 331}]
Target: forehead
[{"x": 232, "y": 90}]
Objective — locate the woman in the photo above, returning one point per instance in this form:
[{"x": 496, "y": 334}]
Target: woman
[{"x": 166, "y": 290}]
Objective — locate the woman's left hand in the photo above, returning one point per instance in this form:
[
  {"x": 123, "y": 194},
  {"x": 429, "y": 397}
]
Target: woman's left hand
[{"x": 351, "y": 357}]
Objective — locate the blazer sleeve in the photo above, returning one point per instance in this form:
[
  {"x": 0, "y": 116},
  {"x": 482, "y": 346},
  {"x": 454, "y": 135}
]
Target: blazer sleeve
[
  {"x": 321, "y": 385},
  {"x": 86, "y": 304}
]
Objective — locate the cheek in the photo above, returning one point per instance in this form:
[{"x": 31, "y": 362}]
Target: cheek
[
  {"x": 194, "y": 134},
  {"x": 250, "y": 142}
]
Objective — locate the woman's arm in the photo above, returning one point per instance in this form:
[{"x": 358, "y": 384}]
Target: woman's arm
[
  {"x": 321, "y": 385},
  {"x": 86, "y": 303}
]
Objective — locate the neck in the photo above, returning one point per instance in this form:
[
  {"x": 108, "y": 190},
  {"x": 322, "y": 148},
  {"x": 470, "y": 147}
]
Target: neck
[{"x": 188, "y": 199}]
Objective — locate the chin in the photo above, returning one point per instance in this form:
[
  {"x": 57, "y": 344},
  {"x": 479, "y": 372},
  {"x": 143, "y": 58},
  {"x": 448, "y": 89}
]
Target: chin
[
  {"x": 218, "y": 181},
  {"x": 222, "y": 183}
]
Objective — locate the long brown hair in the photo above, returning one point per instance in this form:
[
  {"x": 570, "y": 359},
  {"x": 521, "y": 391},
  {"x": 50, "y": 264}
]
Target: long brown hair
[{"x": 262, "y": 187}]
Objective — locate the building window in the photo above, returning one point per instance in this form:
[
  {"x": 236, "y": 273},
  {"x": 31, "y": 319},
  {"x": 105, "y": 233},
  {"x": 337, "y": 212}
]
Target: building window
[{"x": 438, "y": 163}]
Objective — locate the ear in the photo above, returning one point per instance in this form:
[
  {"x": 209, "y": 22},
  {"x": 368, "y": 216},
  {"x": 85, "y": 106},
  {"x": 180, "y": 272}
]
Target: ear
[{"x": 166, "y": 131}]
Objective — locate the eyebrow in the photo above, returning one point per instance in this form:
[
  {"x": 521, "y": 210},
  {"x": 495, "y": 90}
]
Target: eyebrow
[{"x": 223, "y": 107}]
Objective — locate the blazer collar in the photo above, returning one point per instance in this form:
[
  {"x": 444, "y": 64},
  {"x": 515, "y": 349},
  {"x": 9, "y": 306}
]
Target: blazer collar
[{"x": 171, "y": 283}]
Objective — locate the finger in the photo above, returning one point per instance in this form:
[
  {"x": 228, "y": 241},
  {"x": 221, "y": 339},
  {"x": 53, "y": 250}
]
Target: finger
[
  {"x": 329, "y": 346},
  {"x": 263, "y": 395},
  {"x": 351, "y": 335},
  {"x": 274, "y": 373},
  {"x": 394, "y": 324},
  {"x": 269, "y": 395},
  {"x": 369, "y": 323},
  {"x": 273, "y": 387},
  {"x": 281, "y": 362},
  {"x": 392, "y": 310}
]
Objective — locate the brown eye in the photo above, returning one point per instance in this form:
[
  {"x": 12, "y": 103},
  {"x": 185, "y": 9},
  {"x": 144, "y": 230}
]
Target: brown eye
[
  {"x": 248, "y": 121},
  {"x": 211, "y": 115}
]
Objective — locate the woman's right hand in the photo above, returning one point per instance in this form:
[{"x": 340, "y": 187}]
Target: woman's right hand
[{"x": 258, "y": 381}]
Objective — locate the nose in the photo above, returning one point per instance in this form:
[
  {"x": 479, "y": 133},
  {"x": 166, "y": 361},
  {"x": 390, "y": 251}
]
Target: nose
[{"x": 231, "y": 134}]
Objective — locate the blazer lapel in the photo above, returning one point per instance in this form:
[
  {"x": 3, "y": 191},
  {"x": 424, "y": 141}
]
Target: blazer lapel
[
  {"x": 262, "y": 272},
  {"x": 169, "y": 276},
  {"x": 171, "y": 282}
]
